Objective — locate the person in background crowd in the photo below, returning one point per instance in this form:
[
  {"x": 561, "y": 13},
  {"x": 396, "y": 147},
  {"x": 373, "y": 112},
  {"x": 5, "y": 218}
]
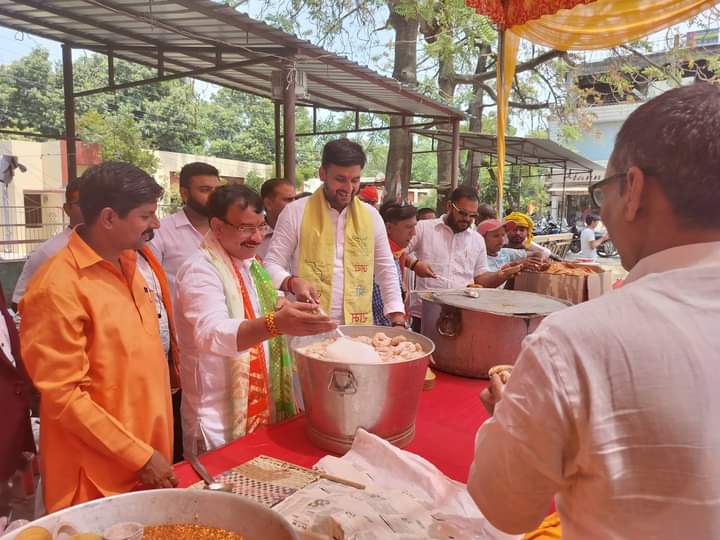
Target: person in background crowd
[
  {"x": 445, "y": 253},
  {"x": 327, "y": 248},
  {"x": 53, "y": 244},
  {"x": 276, "y": 194},
  {"x": 91, "y": 344},
  {"x": 506, "y": 262},
  {"x": 628, "y": 444},
  {"x": 16, "y": 393},
  {"x": 521, "y": 237},
  {"x": 181, "y": 233},
  {"x": 369, "y": 195},
  {"x": 235, "y": 366},
  {"x": 485, "y": 212},
  {"x": 426, "y": 213},
  {"x": 588, "y": 244},
  {"x": 400, "y": 221}
]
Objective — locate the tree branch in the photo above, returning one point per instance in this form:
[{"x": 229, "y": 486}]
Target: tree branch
[
  {"x": 524, "y": 66},
  {"x": 653, "y": 64},
  {"x": 514, "y": 104}
]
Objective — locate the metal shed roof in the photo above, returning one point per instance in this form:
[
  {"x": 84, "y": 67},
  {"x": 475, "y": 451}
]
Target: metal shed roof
[
  {"x": 190, "y": 35},
  {"x": 520, "y": 150}
]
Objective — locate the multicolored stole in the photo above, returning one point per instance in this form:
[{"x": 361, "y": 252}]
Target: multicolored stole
[
  {"x": 317, "y": 256},
  {"x": 250, "y": 405}
]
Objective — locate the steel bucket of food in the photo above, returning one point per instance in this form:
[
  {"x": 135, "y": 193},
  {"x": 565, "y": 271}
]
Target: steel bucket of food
[
  {"x": 341, "y": 397},
  {"x": 227, "y": 511},
  {"x": 475, "y": 329}
]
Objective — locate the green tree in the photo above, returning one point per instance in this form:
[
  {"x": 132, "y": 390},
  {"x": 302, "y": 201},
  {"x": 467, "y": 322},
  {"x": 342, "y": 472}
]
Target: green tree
[{"x": 119, "y": 138}]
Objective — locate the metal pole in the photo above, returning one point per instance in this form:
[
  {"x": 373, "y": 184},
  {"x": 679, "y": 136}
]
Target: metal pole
[
  {"x": 455, "y": 170},
  {"x": 289, "y": 124},
  {"x": 278, "y": 150},
  {"x": 562, "y": 201},
  {"x": 68, "y": 90}
]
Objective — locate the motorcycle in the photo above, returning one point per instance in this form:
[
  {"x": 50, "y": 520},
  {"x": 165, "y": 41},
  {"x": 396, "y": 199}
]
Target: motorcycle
[{"x": 605, "y": 250}]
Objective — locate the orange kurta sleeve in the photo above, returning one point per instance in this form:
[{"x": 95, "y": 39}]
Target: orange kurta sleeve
[{"x": 54, "y": 343}]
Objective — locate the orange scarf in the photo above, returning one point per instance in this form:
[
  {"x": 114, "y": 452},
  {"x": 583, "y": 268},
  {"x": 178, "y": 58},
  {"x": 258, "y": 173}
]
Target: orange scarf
[{"x": 258, "y": 410}]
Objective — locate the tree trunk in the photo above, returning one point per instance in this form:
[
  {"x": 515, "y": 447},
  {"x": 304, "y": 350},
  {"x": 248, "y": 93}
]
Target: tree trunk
[
  {"x": 446, "y": 83},
  {"x": 399, "y": 159},
  {"x": 474, "y": 159}
]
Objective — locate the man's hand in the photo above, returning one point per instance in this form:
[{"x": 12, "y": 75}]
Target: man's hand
[
  {"x": 492, "y": 395},
  {"x": 423, "y": 269},
  {"x": 533, "y": 263},
  {"x": 157, "y": 473},
  {"x": 304, "y": 291},
  {"x": 302, "y": 319},
  {"x": 396, "y": 319},
  {"x": 510, "y": 269}
]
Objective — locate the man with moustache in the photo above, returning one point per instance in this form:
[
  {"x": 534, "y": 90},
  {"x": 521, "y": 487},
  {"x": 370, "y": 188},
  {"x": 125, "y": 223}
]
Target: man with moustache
[
  {"x": 235, "y": 366},
  {"x": 91, "y": 344},
  {"x": 181, "y": 233},
  {"x": 276, "y": 194},
  {"x": 327, "y": 247},
  {"x": 445, "y": 253}
]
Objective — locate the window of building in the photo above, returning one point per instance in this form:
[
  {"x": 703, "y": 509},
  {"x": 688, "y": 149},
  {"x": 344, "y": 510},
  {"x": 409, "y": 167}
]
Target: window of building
[{"x": 33, "y": 210}]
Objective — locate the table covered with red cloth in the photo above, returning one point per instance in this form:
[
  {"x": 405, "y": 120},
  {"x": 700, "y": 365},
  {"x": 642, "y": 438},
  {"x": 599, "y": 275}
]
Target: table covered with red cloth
[{"x": 448, "y": 418}]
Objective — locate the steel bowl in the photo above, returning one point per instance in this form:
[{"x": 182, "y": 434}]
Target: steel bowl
[
  {"x": 341, "y": 397},
  {"x": 172, "y": 506}
]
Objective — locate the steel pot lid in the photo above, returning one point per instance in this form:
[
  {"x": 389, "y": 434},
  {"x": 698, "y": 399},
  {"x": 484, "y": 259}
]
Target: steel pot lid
[{"x": 498, "y": 301}]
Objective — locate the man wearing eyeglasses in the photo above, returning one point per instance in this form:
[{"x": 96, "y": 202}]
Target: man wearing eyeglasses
[
  {"x": 446, "y": 253},
  {"x": 613, "y": 406},
  {"x": 235, "y": 368}
]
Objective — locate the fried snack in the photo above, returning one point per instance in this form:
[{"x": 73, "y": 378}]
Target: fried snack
[
  {"x": 502, "y": 370},
  {"x": 474, "y": 286},
  {"x": 563, "y": 269},
  {"x": 188, "y": 532},
  {"x": 389, "y": 349}
]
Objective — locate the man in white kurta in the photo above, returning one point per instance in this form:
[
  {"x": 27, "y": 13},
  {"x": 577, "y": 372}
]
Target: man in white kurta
[
  {"x": 613, "y": 407},
  {"x": 214, "y": 334},
  {"x": 180, "y": 234},
  {"x": 341, "y": 182}
]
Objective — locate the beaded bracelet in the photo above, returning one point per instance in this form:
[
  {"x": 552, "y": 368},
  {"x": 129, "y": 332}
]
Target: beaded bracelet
[{"x": 270, "y": 325}]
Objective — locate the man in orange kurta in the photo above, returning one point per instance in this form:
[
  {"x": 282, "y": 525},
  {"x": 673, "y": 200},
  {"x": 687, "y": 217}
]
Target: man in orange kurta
[{"x": 91, "y": 343}]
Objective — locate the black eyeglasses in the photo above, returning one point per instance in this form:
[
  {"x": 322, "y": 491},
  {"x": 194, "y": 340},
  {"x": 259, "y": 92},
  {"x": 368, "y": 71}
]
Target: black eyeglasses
[
  {"x": 464, "y": 213},
  {"x": 596, "y": 194}
]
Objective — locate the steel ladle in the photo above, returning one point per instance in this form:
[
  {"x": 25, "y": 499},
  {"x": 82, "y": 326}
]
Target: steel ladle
[{"x": 210, "y": 483}]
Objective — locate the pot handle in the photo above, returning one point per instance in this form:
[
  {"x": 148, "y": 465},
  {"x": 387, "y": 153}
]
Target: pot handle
[
  {"x": 448, "y": 323},
  {"x": 342, "y": 381}
]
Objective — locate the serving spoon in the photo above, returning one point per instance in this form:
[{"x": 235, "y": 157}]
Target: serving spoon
[{"x": 210, "y": 483}]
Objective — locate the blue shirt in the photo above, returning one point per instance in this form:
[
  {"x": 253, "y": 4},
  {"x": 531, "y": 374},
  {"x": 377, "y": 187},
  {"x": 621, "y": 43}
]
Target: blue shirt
[{"x": 377, "y": 303}]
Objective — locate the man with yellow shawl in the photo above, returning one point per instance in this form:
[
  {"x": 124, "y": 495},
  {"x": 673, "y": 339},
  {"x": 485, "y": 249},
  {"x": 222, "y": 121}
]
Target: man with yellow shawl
[
  {"x": 327, "y": 247},
  {"x": 521, "y": 237},
  {"x": 235, "y": 367}
]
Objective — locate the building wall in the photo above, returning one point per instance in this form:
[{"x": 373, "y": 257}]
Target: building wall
[{"x": 172, "y": 162}]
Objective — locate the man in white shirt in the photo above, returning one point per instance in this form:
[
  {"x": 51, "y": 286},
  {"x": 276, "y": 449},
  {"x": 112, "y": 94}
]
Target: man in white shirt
[
  {"x": 326, "y": 247},
  {"x": 235, "y": 367},
  {"x": 588, "y": 244},
  {"x": 276, "y": 194},
  {"x": 613, "y": 406},
  {"x": 53, "y": 244},
  {"x": 446, "y": 253},
  {"x": 180, "y": 234}
]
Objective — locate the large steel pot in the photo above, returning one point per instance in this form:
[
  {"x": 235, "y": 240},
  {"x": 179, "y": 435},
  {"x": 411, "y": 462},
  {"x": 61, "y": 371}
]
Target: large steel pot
[
  {"x": 172, "y": 506},
  {"x": 475, "y": 329},
  {"x": 342, "y": 397}
]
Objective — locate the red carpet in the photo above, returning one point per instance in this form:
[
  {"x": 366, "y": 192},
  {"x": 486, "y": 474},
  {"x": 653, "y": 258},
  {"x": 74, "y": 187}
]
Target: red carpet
[{"x": 447, "y": 421}]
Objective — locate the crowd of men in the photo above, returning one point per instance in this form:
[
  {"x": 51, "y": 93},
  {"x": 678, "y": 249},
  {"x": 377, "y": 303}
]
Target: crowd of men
[{"x": 148, "y": 340}]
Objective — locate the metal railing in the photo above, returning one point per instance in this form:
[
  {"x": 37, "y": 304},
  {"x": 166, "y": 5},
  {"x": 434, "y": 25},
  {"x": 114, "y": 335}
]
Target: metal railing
[{"x": 23, "y": 228}]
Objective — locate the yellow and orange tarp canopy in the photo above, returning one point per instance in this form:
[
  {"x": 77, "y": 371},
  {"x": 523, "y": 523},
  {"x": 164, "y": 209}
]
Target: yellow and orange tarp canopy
[{"x": 572, "y": 25}]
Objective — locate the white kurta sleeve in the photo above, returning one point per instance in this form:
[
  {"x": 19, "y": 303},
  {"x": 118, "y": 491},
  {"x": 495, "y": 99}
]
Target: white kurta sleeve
[
  {"x": 481, "y": 262},
  {"x": 525, "y": 453},
  {"x": 285, "y": 241},
  {"x": 386, "y": 273},
  {"x": 201, "y": 299},
  {"x": 537, "y": 249}
]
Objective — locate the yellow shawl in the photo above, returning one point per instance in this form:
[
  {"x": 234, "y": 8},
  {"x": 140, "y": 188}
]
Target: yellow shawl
[{"x": 317, "y": 256}]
